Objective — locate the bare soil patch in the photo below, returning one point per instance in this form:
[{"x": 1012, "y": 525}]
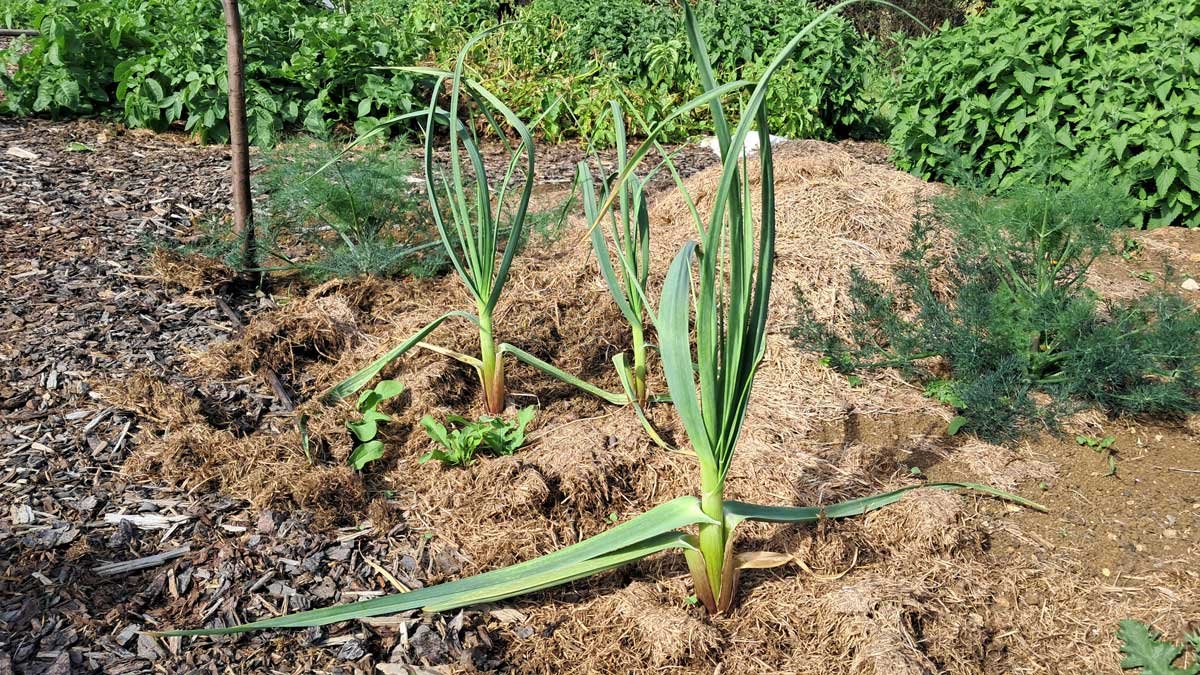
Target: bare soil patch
[{"x": 936, "y": 583}]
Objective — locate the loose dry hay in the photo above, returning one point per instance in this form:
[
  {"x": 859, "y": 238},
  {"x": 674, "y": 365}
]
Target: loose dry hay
[
  {"x": 925, "y": 522},
  {"x": 316, "y": 327},
  {"x": 906, "y": 610},
  {"x": 195, "y": 273},
  {"x": 265, "y": 468},
  {"x": 554, "y": 492},
  {"x": 834, "y": 214},
  {"x": 999, "y": 467},
  {"x": 919, "y": 593},
  {"x": 151, "y": 398}
]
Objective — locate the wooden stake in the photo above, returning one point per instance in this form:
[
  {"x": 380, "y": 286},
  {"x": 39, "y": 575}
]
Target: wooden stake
[{"x": 239, "y": 143}]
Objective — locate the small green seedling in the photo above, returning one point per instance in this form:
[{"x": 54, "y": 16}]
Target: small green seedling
[
  {"x": 368, "y": 447},
  {"x": 1103, "y": 446},
  {"x": 1145, "y": 650},
  {"x": 945, "y": 391},
  {"x": 460, "y": 443},
  {"x": 956, "y": 424},
  {"x": 1130, "y": 248}
]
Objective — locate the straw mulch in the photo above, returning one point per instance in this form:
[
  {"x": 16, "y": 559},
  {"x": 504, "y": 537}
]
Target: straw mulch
[{"x": 911, "y": 589}]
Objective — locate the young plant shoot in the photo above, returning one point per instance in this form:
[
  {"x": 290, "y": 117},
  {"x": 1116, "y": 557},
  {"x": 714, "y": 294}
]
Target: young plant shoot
[
  {"x": 729, "y": 311},
  {"x": 368, "y": 447},
  {"x": 469, "y": 220}
]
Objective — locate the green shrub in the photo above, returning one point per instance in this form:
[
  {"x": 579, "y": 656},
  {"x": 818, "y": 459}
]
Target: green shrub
[
  {"x": 158, "y": 64},
  {"x": 1017, "y": 319},
  {"x": 361, "y": 215},
  {"x": 819, "y": 93},
  {"x": 161, "y": 63},
  {"x": 1114, "y": 86},
  {"x": 571, "y": 57},
  {"x": 444, "y": 24}
]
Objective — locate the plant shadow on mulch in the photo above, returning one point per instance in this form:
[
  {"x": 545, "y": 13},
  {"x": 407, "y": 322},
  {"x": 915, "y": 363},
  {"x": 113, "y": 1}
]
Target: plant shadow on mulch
[{"x": 919, "y": 587}]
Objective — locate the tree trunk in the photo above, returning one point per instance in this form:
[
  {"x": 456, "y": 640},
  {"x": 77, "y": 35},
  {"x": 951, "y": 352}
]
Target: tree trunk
[{"x": 239, "y": 144}]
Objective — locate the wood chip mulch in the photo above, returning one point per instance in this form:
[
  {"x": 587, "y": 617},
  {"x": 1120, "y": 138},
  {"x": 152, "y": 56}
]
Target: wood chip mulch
[{"x": 88, "y": 558}]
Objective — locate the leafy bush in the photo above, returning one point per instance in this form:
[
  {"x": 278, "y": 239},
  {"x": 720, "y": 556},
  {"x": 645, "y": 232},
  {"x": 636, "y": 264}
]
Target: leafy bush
[
  {"x": 1017, "y": 319},
  {"x": 465, "y": 437},
  {"x": 1114, "y": 86},
  {"x": 361, "y": 213},
  {"x": 558, "y": 61},
  {"x": 161, "y": 63},
  {"x": 819, "y": 93},
  {"x": 445, "y": 24},
  {"x": 570, "y": 57}
]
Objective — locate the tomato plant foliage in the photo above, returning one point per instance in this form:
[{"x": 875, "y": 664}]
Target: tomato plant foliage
[
  {"x": 161, "y": 62},
  {"x": 158, "y": 63}
]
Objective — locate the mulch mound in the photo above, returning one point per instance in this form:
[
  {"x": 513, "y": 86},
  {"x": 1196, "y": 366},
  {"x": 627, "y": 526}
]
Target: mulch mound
[{"x": 912, "y": 589}]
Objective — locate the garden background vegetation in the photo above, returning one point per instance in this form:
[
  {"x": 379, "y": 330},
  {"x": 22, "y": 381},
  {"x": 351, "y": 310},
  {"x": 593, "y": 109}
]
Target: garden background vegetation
[{"x": 1108, "y": 89}]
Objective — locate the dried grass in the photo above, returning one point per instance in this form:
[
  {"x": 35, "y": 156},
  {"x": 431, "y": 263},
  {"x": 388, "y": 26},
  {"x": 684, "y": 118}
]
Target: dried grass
[
  {"x": 915, "y": 588},
  {"x": 195, "y": 273}
]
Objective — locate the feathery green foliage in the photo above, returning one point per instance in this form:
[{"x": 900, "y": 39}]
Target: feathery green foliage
[
  {"x": 358, "y": 212},
  {"x": 1017, "y": 318}
]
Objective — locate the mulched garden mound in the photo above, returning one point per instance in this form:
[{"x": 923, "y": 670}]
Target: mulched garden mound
[{"x": 182, "y": 400}]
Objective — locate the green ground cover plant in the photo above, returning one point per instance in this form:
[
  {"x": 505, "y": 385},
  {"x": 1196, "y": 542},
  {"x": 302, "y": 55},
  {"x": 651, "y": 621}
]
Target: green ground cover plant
[
  {"x": 710, "y": 382},
  {"x": 158, "y": 64},
  {"x": 161, "y": 64},
  {"x": 1146, "y": 652},
  {"x": 459, "y": 443},
  {"x": 1015, "y": 317},
  {"x": 1113, "y": 87},
  {"x": 571, "y": 57}
]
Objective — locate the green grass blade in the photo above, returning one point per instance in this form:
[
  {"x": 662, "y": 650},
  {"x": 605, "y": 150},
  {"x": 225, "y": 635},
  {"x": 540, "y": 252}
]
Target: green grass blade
[
  {"x": 737, "y": 512},
  {"x": 675, "y": 337},
  {"x": 361, "y": 378},
  {"x": 530, "y": 359},
  {"x": 635, "y": 536},
  {"x": 600, "y": 246}
]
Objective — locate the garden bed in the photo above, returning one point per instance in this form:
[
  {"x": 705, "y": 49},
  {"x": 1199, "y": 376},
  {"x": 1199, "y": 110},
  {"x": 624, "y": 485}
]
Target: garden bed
[{"x": 139, "y": 421}]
